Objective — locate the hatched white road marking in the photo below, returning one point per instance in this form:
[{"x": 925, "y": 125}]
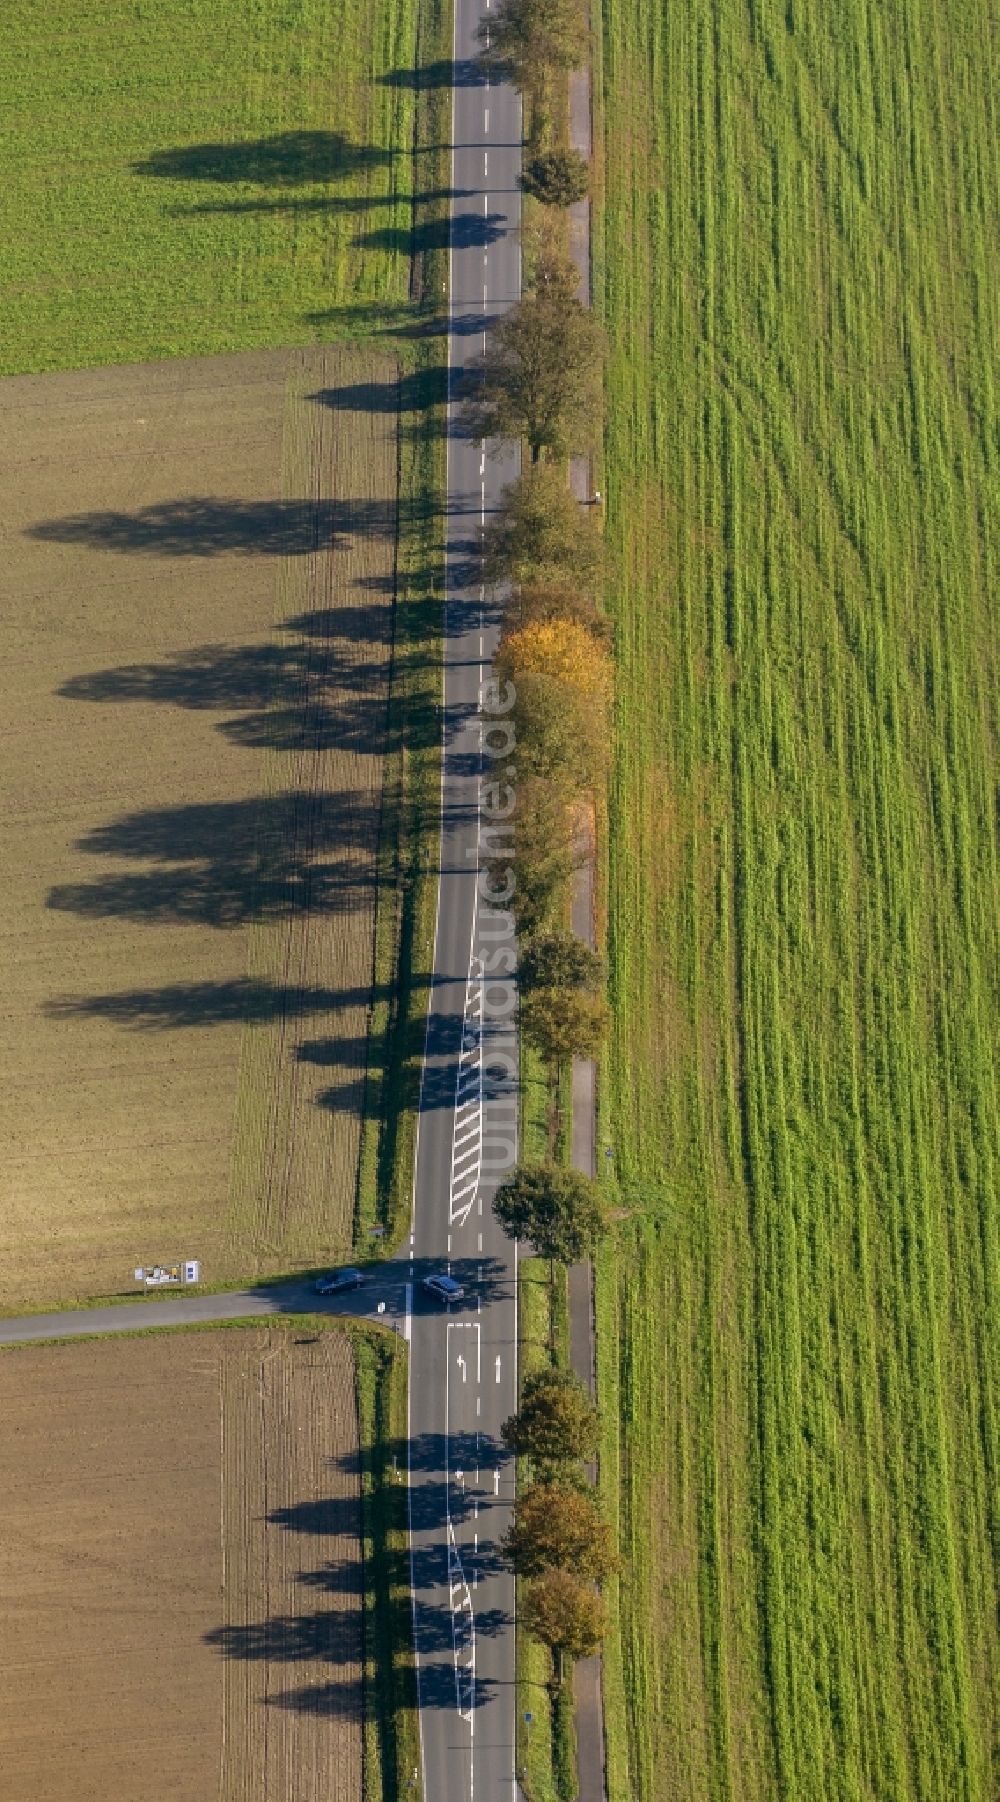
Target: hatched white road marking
[
  {"x": 467, "y": 1139},
  {"x": 463, "y": 1620}
]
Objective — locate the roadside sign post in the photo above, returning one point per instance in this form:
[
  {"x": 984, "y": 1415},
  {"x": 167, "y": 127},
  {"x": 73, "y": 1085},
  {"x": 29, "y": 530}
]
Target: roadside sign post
[{"x": 166, "y": 1276}]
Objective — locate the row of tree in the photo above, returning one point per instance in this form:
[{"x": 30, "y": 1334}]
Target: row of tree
[
  {"x": 559, "y": 1543},
  {"x": 534, "y": 43},
  {"x": 540, "y": 381},
  {"x": 555, "y": 654}
]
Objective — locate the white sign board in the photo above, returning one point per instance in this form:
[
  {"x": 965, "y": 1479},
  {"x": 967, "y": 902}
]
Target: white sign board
[{"x": 159, "y": 1276}]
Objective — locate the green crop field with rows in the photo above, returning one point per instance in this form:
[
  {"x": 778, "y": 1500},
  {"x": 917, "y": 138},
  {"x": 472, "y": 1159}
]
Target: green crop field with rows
[
  {"x": 798, "y": 1336},
  {"x": 195, "y": 176}
]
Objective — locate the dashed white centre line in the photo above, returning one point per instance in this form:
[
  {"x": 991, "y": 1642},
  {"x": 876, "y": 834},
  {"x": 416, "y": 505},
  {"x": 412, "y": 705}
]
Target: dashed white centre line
[{"x": 486, "y": 120}]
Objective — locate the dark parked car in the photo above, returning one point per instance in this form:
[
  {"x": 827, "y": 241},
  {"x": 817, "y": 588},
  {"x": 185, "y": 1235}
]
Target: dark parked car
[
  {"x": 444, "y": 1288},
  {"x": 339, "y": 1279}
]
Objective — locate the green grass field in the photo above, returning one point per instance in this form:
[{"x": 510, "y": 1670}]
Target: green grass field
[
  {"x": 798, "y": 1341},
  {"x": 204, "y": 175}
]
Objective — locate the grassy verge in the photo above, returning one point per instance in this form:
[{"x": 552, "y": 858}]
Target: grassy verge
[
  {"x": 392, "y": 1744},
  {"x": 411, "y": 802},
  {"x": 794, "y": 264}
]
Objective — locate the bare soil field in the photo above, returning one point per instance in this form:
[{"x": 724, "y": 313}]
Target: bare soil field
[
  {"x": 184, "y": 1619},
  {"x": 194, "y": 658}
]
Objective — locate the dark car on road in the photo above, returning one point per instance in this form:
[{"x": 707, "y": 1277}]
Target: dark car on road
[
  {"x": 335, "y": 1280},
  {"x": 444, "y": 1288}
]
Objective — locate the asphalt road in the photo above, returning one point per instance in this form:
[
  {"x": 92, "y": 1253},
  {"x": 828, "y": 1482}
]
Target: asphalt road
[{"x": 463, "y": 1368}]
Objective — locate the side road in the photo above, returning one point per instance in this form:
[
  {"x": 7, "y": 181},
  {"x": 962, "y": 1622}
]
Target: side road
[{"x": 387, "y": 1297}]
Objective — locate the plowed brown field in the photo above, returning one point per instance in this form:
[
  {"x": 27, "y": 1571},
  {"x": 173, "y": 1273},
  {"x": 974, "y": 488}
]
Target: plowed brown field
[
  {"x": 183, "y": 1619},
  {"x": 194, "y": 653}
]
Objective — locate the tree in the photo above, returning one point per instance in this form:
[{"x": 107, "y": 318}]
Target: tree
[
  {"x": 532, "y": 604},
  {"x": 529, "y": 40},
  {"x": 548, "y": 268},
  {"x": 563, "y": 1011},
  {"x": 566, "y": 1614},
  {"x": 557, "y": 647},
  {"x": 546, "y": 852},
  {"x": 560, "y": 1210},
  {"x": 556, "y": 177},
  {"x": 560, "y": 737},
  {"x": 539, "y": 377},
  {"x": 557, "y": 1419},
  {"x": 559, "y": 960},
  {"x": 561, "y": 1025},
  {"x": 541, "y": 534},
  {"x": 559, "y": 1526}
]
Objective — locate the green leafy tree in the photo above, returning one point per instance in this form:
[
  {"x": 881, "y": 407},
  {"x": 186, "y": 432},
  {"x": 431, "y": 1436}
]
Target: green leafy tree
[
  {"x": 556, "y": 177},
  {"x": 540, "y": 534},
  {"x": 539, "y": 378},
  {"x": 559, "y": 1526},
  {"x": 564, "y": 1024},
  {"x": 566, "y": 1614},
  {"x": 560, "y": 1210},
  {"x": 548, "y": 268},
  {"x": 560, "y": 737},
  {"x": 559, "y": 960},
  {"x": 556, "y": 1422},
  {"x": 546, "y": 851},
  {"x": 531, "y": 40},
  {"x": 563, "y": 1011}
]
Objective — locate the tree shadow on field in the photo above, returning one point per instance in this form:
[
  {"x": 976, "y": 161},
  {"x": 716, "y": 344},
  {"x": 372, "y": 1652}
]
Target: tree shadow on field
[
  {"x": 447, "y": 72},
  {"x": 415, "y": 392},
  {"x": 465, "y": 231},
  {"x": 206, "y": 526},
  {"x": 323, "y": 685},
  {"x": 287, "y": 159},
  {"x": 327, "y": 1632},
  {"x": 408, "y": 322}
]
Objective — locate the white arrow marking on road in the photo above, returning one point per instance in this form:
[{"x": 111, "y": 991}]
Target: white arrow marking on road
[
  {"x": 496, "y": 1482},
  {"x": 461, "y": 1365},
  {"x": 498, "y": 1369}
]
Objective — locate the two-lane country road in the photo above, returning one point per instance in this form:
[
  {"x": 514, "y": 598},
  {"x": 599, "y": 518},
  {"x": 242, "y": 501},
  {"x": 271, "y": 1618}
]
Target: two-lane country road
[{"x": 463, "y": 1367}]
